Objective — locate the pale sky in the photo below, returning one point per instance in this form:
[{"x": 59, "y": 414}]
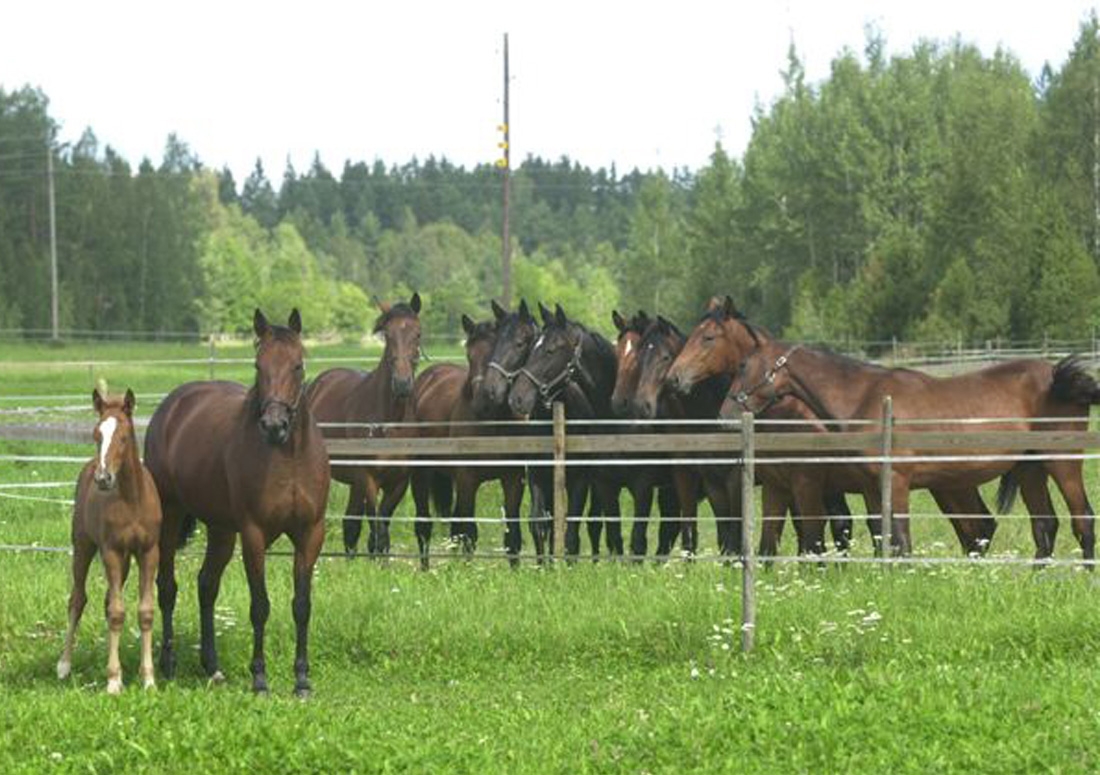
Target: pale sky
[{"x": 634, "y": 84}]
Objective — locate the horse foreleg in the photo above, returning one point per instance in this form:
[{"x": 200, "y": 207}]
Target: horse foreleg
[
  {"x": 84, "y": 552},
  {"x": 114, "y": 563},
  {"x": 465, "y": 505},
  {"x": 147, "y": 572},
  {"x": 577, "y": 489},
  {"x": 421, "y": 491},
  {"x": 390, "y": 501},
  {"x": 776, "y": 502},
  {"x": 540, "y": 519},
  {"x": 687, "y": 483},
  {"x": 903, "y": 542},
  {"x": 167, "y": 590},
  {"x": 354, "y": 514},
  {"x": 370, "y": 515},
  {"x": 307, "y": 547},
  {"x": 253, "y": 547},
  {"x": 642, "y": 492},
  {"x": 512, "y": 485},
  {"x": 219, "y": 551}
]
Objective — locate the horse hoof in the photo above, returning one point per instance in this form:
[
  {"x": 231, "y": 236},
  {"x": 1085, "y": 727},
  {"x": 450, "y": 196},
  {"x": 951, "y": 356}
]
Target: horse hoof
[
  {"x": 114, "y": 686},
  {"x": 259, "y": 687},
  {"x": 149, "y": 684},
  {"x": 216, "y": 678},
  {"x": 303, "y": 692},
  {"x": 63, "y": 670},
  {"x": 168, "y": 665}
]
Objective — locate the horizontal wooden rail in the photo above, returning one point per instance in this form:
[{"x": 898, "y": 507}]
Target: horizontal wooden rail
[{"x": 905, "y": 442}]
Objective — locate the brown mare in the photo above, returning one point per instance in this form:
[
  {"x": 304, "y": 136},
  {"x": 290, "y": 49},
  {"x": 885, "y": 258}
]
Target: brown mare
[
  {"x": 454, "y": 396},
  {"x": 844, "y": 389},
  {"x": 373, "y": 398},
  {"x": 717, "y": 346},
  {"x": 641, "y": 480},
  {"x": 116, "y": 513},
  {"x": 243, "y": 460}
]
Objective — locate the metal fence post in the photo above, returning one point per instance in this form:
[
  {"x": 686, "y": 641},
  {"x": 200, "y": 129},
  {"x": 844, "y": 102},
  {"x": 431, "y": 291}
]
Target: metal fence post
[
  {"x": 561, "y": 495},
  {"x": 887, "y": 474},
  {"x": 748, "y": 534},
  {"x": 213, "y": 356}
]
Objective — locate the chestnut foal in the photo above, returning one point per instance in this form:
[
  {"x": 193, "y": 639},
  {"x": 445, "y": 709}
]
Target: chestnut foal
[{"x": 117, "y": 513}]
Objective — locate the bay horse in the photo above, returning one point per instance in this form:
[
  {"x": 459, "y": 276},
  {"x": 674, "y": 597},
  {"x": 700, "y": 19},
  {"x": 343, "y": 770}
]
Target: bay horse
[
  {"x": 373, "y": 398},
  {"x": 643, "y": 479},
  {"x": 571, "y": 364},
  {"x": 717, "y": 345},
  {"x": 248, "y": 461},
  {"x": 844, "y": 389},
  {"x": 116, "y": 513},
  {"x": 657, "y": 347},
  {"x": 516, "y": 333},
  {"x": 434, "y": 393}
]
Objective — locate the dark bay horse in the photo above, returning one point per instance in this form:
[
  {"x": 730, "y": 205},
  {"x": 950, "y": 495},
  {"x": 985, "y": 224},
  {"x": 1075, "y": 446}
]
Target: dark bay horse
[
  {"x": 516, "y": 332},
  {"x": 116, "y": 513},
  {"x": 841, "y": 388},
  {"x": 717, "y": 346},
  {"x": 657, "y": 348},
  {"x": 642, "y": 479},
  {"x": 383, "y": 395},
  {"x": 571, "y": 364},
  {"x": 242, "y": 460},
  {"x": 434, "y": 394}
]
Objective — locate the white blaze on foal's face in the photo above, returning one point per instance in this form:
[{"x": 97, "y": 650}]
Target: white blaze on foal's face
[{"x": 107, "y": 430}]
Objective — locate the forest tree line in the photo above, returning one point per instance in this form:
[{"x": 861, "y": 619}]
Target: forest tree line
[{"x": 932, "y": 194}]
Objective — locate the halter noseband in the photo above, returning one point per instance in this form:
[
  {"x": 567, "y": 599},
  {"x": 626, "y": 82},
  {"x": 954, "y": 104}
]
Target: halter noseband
[
  {"x": 291, "y": 408},
  {"x": 742, "y": 396},
  {"x": 508, "y": 375},
  {"x": 548, "y": 390}
]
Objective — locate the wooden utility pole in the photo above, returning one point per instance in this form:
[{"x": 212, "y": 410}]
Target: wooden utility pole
[
  {"x": 505, "y": 163},
  {"x": 53, "y": 241}
]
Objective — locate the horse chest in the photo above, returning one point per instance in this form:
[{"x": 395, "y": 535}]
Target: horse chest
[{"x": 120, "y": 523}]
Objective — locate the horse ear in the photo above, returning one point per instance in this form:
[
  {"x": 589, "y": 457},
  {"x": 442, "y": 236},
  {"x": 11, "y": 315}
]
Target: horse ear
[
  {"x": 467, "y": 324},
  {"x": 500, "y": 313},
  {"x": 728, "y": 308},
  {"x": 414, "y": 302},
  {"x": 295, "y": 321},
  {"x": 129, "y": 402},
  {"x": 97, "y": 401},
  {"x": 662, "y": 321},
  {"x": 384, "y": 306},
  {"x": 714, "y": 303},
  {"x": 617, "y": 319},
  {"x": 559, "y": 316},
  {"x": 259, "y": 324},
  {"x": 547, "y": 315},
  {"x": 524, "y": 310}
]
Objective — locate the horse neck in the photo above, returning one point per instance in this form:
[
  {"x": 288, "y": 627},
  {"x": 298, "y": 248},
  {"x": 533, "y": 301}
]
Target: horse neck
[
  {"x": 131, "y": 475},
  {"x": 598, "y": 361},
  {"x": 380, "y": 383},
  {"x": 824, "y": 383}
]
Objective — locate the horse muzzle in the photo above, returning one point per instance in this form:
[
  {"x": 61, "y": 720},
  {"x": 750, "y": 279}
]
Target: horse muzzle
[{"x": 104, "y": 480}]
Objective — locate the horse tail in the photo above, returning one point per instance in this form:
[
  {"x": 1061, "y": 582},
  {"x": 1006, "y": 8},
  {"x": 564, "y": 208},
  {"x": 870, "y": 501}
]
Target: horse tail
[
  {"x": 1072, "y": 384},
  {"x": 187, "y": 529},
  {"x": 442, "y": 493},
  {"x": 1007, "y": 491}
]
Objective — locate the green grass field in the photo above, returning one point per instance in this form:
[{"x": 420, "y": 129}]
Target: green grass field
[{"x": 476, "y": 668}]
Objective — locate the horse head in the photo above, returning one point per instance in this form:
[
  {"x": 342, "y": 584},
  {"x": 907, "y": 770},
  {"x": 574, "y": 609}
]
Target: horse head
[
  {"x": 554, "y": 359},
  {"x": 516, "y": 332},
  {"x": 399, "y": 324},
  {"x": 626, "y": 360},
  {"x": 658, "y": 348},
  {"x": 716, "y": 346},
  {"x": 114, "y": 437},
  {"x": 480, "y": 339},
  {"x": 280, "y": 375}
]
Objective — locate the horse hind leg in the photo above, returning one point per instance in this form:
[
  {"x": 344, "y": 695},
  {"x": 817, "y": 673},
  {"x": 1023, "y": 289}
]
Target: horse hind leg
[
  {"x": 1044, "y": 523},
  {"x": 1068, "y": 475},
  {"x": 167, "y": 588},
  {"x": 421, "y": 491},
  {"x": 84, "y": 552},
  {"x": 219, "y": 551}
]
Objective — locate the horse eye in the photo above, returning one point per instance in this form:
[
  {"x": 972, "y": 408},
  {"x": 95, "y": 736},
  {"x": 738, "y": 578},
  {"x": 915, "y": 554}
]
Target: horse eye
[{"x": 708, "y": 338}]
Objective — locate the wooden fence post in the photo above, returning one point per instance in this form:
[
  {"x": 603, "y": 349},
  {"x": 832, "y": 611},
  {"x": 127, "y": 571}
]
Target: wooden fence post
[
  {"x": 561, "y": 495},
  {"x": 748, "y": 534},
  {"x": 886, "y": 476}
]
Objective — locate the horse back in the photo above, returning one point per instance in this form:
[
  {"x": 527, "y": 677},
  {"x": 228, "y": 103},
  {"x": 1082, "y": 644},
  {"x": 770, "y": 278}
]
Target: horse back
[{"x": 435, "y": 394}]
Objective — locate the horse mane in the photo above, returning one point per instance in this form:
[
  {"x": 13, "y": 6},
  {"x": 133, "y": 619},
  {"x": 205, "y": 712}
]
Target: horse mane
[
  {"x": 485, "y": 329},
  {"x": 400, "y": 309}
]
